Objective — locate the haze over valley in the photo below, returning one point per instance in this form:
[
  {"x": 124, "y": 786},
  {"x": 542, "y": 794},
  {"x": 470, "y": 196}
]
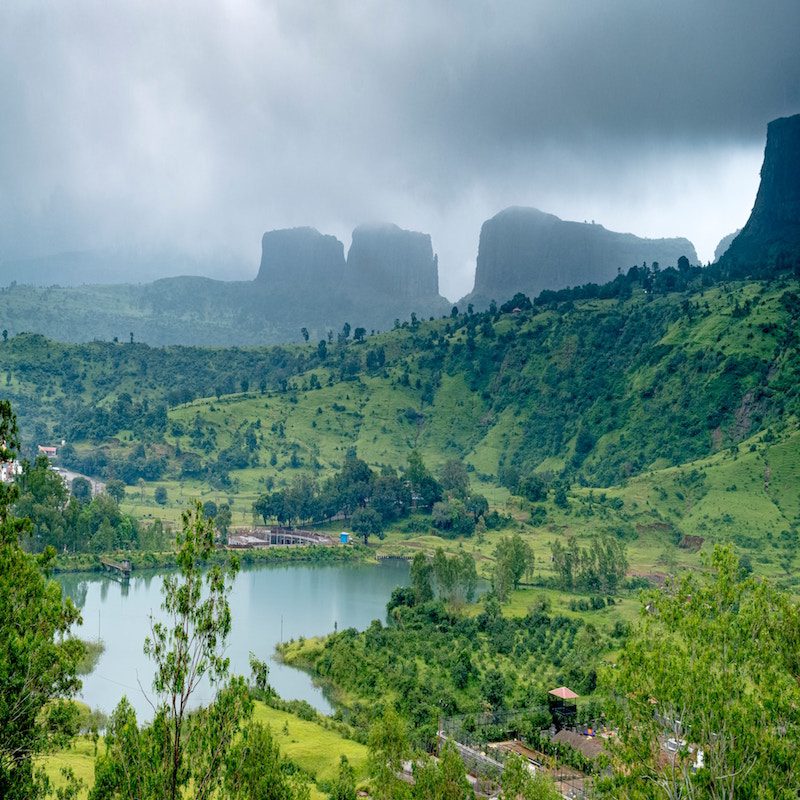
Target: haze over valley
[{"x": 399, "y": 401}]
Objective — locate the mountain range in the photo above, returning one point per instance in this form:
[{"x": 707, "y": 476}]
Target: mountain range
[{"x": 306, "y": 283}]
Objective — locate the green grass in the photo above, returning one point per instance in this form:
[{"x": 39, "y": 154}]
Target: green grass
[
  {"x": 79, "y": 757},
  {"x": 313, "y": 748}
]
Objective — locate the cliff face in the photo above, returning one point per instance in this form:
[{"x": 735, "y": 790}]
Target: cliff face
[
  {"x": 304, "y": 279},
  {"x": 295, "y": 260},
  {"x": 724, "y": 244},
  {"x": 384, "y": 259},
  {"x": 526, "y": 250},
  {"x": 771, "y": 237}
]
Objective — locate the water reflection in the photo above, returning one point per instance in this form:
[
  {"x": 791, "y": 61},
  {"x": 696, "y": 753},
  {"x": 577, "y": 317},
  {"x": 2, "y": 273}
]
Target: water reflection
[{"x": 268, "y": 604}]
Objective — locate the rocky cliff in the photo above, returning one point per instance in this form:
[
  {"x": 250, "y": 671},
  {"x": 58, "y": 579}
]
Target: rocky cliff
[
  {"x": 386, "y": 259},
  {"x": 724, "y": 244},
  {"x": 392, "y": 272},
  {"x": 771, "y": 238},
  {"x": 300, "y": 261},
  {"x": 527, "y": 250}
]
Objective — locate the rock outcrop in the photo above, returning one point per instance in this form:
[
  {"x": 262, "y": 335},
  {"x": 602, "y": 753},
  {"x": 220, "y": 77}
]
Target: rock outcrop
[
  {"x": 770, "y": 240},
  {"x": 389, "y": 273},
  {"x": 724, "y": 244},
  {"x": 527, "y": 250},
  {"x": 300, "y": 261},
  {"x": 387, "y": 260}
]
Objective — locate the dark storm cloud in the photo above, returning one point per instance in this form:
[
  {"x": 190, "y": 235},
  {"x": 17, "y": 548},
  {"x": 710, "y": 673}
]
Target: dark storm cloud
[{"x": 198, "y": 125}]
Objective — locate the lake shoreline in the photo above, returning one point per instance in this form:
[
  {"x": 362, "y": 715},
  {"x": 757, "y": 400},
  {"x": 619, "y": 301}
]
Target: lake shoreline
[{"x": 147, "y": 560}]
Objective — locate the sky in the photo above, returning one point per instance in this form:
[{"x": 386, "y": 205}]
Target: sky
[{"x": 195, "y": 126}]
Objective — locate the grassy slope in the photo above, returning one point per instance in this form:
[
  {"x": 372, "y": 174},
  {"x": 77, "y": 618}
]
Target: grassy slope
[{"x": 313, "y": 748}]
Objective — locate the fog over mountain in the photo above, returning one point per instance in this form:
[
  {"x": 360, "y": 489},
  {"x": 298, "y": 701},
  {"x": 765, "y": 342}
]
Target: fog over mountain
[{"x": 187, "y": 130}]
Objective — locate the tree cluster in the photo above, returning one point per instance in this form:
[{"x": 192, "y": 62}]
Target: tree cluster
[{"x": 600, "y": 567}]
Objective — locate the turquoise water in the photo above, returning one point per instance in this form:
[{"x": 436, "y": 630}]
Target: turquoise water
[{"x": 269, "y": 604}]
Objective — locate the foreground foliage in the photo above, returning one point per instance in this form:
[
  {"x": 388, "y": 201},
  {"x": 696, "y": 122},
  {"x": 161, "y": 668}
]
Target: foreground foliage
[
  {"x": 715, "y": 666},
  {"x": 38, "y": 659}
]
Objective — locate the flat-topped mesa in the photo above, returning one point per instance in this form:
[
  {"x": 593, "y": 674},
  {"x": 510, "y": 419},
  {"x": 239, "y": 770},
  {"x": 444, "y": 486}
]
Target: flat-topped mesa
[
  {"x": 300, "y": 259},
  {"x": 771, "y": 238},
  {"x": 387, "y": 260},
  {"x": 527, "y": 250}
]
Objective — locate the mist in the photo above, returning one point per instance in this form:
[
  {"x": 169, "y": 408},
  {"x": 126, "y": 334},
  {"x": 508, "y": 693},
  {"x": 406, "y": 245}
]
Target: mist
[{"x": 194, "y": 127}]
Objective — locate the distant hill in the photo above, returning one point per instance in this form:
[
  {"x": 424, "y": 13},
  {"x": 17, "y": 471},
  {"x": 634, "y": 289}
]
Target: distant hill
[
  {"x": 526, "y": 250},
  {"x": 770, "y": 241},
  {"x": 116, "y": 266},
  {"x": 303, "y": 282}
]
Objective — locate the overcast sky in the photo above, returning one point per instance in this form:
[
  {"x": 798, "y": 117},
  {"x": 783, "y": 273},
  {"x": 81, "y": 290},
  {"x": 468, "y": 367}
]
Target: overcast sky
[{"x": 199, "y": 125}]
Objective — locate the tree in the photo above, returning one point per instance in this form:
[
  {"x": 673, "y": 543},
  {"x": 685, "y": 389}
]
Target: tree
[
  {"x": 38, "y": 657},
  {"x": 422, "y": 578},
  {"x": 254, "y": 768},
  {"x": 513, "y": 559},
  {"x": 454, "y": 478},
  {"x": 223, "y": 521},
  {"x": 367, "y": 522},
  {"x": 178, "y": 750},
  {"x": 423, "y": 484},
  {"x": 493, "y": 688},
  {"x": 390, "y": 496},
  {"x": 532, "y": 487},
  {"x": 388, "y": 748},
  {"x": 453, "y": 518},
  {"x": 520, "y": 784},
  {"x": 345, "y": 786},
  {"x": 359, "y": 334},
  {"x": 81, "y": 489},
  {"x": 304, "y": 333},
  {"x": 322, "y": 350},
  {"x": 712, "y": 665},
  {"x": 210, "y": 509},
  {"x": 456, "y": 576},
  {"x": 445, "y": 780},
  {"x": 116, "y": 489},
  {"x": 160, "y": 495}
]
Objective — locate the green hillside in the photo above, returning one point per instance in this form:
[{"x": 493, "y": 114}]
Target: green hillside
[{"x": 679, "y": 405}]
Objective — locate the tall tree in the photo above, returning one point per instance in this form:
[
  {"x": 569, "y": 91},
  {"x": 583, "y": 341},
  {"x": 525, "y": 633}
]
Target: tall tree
[
  {"x": 367, "y": 522},
  {"x": 442, "y": 780},
  {"x": 513, "y": 559},
  {"x": 520, "y": 784},
  {"x": 388, "y": 749},
  {"x": 180, "y": 752},
  {"x": 422, "y": 578},
  {"x": 454, "y": 478},
  {"x": 38, "y": 658}
]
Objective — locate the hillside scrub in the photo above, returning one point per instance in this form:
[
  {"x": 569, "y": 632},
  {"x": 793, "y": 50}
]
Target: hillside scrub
[{"x": 604, "y": 382}]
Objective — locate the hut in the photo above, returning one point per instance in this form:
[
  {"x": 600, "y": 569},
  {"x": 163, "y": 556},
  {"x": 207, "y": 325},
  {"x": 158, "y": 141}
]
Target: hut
[{"x": 563, "y": 709}]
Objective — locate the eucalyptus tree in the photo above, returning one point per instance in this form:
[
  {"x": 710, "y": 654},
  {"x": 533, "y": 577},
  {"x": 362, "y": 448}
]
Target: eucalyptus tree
[{"x": 182, "y": 753}]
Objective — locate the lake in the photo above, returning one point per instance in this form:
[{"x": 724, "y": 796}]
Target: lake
[{"x": 269, "y": 604}]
